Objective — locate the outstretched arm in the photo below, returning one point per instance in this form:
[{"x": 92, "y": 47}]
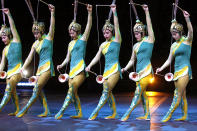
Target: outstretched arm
[
  {"x": 151, "y": 37},
  {"x": 89, "y": 23},
  {"x": 3, "y": 61},
  {"x": 52, "y": 23},
  {"x": 66, "y": 60},
  {"x": 116, "y": 24},
  {"x": 16, "y": 37},
  {"x": 167, "y": 63},
  {"x": 95, "y": 60},
  {"x": 189, "y": 26},
  {"x": 130, "y": 63}
]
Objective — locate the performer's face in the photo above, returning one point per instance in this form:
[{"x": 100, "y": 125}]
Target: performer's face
[
  {"x": 37, "y": 35},
  {"x": 107, "y": 34},
  {"x": 73, "y": 34},
  {"x": 176, "y": 35},
  {"x": 138, "y": 36},
  {"x": 5, "y": 39}
]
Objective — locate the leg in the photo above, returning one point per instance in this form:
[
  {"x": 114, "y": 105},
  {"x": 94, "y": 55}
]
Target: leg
[
  {"x": 77, "y": 104},
  {"x": 43, "y": 100},
  {"x": 136, "y": 100},
  {"x": 145, "y": 103},
  {"x": 11, "y": 91},
  {"x": 184, "y": 107},
  {"x": 15, "y": 101},
  {"x": 141, "y": 87},
  {"x": 42, "y": 80},
  {"x": 72, "y": 91},
  {"x": 112, "y": 105},
  {"x": 108, "y": 85},
  {"x": 180, "y": 86},
  {"x": 7, "y": 96},
  {"x": 67, "y": 101},
  {"x": 77, "y": 83}
]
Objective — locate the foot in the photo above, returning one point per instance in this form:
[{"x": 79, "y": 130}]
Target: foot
[
  {"x": 21, "y": 113},
  {"x": 113, "y": 116},
  {"x": 59, "y": 115},
  {"x": 184, "y": 118},
  {"x": 13, "y": 114},
  {"x": 166, "y": 118},
  {"x": 125, "y": 117},
  {"x": 45, "y": 114},
  {"x": 93, "y": 116},
  {"x": 77, "y": 116},
  {"x": 143, "y": 118}
]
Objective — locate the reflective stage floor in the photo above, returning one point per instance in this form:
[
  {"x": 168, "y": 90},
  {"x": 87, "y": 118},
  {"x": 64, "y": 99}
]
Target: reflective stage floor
[{"x": 159, "y": 105}]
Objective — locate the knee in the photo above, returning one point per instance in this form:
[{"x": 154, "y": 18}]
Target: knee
[
  {"x": 36, "y": 91},
  {"x": 106, "y": 91},
  {"x": 138, "y": 92},
  {"x": 9, "y": 88}
]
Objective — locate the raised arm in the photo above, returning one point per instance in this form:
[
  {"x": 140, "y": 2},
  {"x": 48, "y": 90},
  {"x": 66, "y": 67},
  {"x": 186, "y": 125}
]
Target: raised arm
[
  {"x": 131, "y": 62},
  {"x": 167, "y": 63},
  {"x": 89, "y": 23},
  {"x": 151, "y": 37},
  {"x": 116, "y": 25},
  {"x": 189, "y": 26},
  {"x": 52, "y": 23},
  {"x": 3, "y": 61},
  {"x": 66, "y": 60},
  {"x": 95, "y": 60},
  {"x": 16, "y": 37}
]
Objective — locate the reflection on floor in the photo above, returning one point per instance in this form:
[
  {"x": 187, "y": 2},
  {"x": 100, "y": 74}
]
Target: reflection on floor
[{"x": 159, "y": 104}]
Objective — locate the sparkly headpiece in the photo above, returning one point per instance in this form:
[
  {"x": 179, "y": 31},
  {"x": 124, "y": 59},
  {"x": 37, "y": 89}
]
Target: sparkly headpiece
[
  {"x": 108, "y": 26},
  {"x": 139, "y": 27},
  {"x": 176, "y": 26},
  {"x": 5, "y": 31},
  {"x": 75, "y": 26},
  {"x": 38, "y": 26}
]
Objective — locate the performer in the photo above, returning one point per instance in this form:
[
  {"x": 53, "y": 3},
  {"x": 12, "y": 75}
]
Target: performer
[
  {"x": 142, "y": 50},
  {"x": 181, "y": 51},
  {"x": 110, "y": 49},
  {"x": 76, "y": 55},
  {"x": 13, "y": 54},
  {"x": 44, "y": 47}
]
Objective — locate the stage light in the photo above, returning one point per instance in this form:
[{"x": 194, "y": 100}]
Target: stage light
[
  {"x": 25, "y": 72},
  {"x": 152, "y": 80}
]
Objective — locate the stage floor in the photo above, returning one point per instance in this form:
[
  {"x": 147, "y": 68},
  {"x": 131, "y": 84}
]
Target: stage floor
[{"x": 159, "y": 105}]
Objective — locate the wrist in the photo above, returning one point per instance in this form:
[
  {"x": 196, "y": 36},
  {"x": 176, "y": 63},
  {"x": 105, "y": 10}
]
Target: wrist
[
  {"x": 9, "y": 14},
  {"x": 187, "y": 19}
]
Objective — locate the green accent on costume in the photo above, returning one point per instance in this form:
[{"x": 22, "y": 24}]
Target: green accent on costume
[
  {"x": 77, "y": 104},
  {"x": 30, "y": 102},
  {"x": 133, "y": 103},
  {"x": 173, "y": 107},
  {"x": 112, "y": 105},
  {"x": 102, "y": 101},
  {"x": 6, "y": 97},
  {"x": 184, "y": 107},
  {"x": 44, "y": 48},
  {"x": 43, "y": 100},
  {"x": 13, "y": 53},
  {"x": 111, "y": 50},
  {"x": 67, "y": 101},
  {"x": 77, "y": 49},
  {"x": 145, "y": 104},
  {"x": 182, "y": 53},
  {"x": 143, "y": 51},
  {"x": 15, "y": 100}
]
